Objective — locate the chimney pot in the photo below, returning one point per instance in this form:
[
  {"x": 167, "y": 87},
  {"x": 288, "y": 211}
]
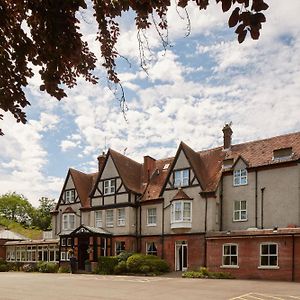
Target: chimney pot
[
  {"x": 101, "y": 159},
  {"x": 227, "y": 133}
]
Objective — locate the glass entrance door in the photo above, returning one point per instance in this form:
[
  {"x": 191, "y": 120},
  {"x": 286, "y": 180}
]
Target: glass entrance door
[{"x": 181, "y": 255}]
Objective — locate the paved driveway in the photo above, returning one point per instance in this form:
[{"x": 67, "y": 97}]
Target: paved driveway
[{"x": 36, "y": 286}]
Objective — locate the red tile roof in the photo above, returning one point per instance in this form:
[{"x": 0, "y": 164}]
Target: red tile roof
[
  {"x": 207, "y": 166},
  {"x": 181, "y": 195}
]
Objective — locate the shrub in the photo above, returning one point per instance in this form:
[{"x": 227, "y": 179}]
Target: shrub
[
  {"x": 28, "y": 268},
  {"x": 47, "y": 267},
  {"x": 123, "y": 256},
  {"x": 14, "y": 266},
  {"x": 205, "y": 273},
  {"x": 64, "y": 269},
  {"x": 140, "y": 263},
  {"x": 3, "y": 265},
  {"x": 120, "y": 268},
  {"x": 106, "y": 264}
]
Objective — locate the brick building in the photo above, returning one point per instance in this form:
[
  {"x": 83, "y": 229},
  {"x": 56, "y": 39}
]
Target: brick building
[{"x": 234, "y": 208}]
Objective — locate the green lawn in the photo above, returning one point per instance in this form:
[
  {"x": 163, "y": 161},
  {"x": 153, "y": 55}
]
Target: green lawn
[{"x": 18, "y": 228}]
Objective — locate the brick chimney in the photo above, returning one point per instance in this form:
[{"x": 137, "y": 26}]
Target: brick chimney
[
  {"x": 101, "y": 159},
  {"x": 227, "y": 133},
  {"x": 148, "y": 168}
]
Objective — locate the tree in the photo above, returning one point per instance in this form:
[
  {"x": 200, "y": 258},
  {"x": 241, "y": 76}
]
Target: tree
[
  {"x": 16, "y": 207},
  {"x": 41, "y": 217},
  {"x": 55, "y": 44}
]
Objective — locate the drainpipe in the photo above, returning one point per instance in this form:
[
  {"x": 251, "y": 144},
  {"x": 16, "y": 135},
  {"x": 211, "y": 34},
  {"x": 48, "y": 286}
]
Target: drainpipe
[
  {"x": 140, "y": 231},
  {"x": 293, "y": 259},
  {"x": 221, "y": 204},
  {"x": 256, "y": 199},
  {"x": 262, "y": 207},
  {"x": 163, "y": 231},
  {"x": 205, "y": 229}
]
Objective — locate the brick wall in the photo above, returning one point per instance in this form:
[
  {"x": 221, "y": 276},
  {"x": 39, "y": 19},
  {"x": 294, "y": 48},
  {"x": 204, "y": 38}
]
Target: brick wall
[
  {"x": 249, "y": 257},
  {"x": 195, "y": 244},
  {"x": 130, "y": 243}
]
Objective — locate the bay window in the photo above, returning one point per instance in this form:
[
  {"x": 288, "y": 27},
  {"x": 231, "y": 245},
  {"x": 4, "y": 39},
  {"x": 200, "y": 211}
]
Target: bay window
[{"x": 181, "y": 214}]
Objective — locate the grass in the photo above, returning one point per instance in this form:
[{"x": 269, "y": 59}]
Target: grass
[{"x": 18, "y": 228}]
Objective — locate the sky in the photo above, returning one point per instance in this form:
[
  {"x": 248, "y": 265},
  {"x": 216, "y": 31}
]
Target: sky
[{"x": 191, "y": 90}]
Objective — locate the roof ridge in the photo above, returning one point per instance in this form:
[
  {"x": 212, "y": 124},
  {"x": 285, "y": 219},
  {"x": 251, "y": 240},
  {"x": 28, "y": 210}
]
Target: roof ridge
[{"x": 267, "y": 139}]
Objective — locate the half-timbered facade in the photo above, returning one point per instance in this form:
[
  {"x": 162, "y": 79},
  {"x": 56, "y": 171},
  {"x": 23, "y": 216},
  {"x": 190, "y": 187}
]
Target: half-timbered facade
[{"x": 181, "y": 208}]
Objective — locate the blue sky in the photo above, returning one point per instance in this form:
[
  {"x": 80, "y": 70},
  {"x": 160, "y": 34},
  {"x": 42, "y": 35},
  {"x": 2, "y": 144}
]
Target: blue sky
[{"x": 193, "y": 89}]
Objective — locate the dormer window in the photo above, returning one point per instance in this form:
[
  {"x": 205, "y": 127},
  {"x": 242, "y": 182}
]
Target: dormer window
[
  {"x": 240, "y": 177},
  {"x": 70, "y": 196},
  {"x": 282, "y": 154},
  {"x": 109, "y": 186},
  {"x": 181, "y": 178}
]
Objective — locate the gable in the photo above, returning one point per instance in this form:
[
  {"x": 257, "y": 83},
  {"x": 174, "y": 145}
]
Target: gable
[
  {"x": 68, "y": 185},
  {"x": 240, "y": 164},
  {"x": 110, "y": 170}
]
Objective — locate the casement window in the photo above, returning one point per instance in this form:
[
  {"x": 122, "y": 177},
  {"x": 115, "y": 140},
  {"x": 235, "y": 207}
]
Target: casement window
[
  {"x": 31, "y": 253},
  {"x": 64, "y": 256},
  {"x": 240, "y": 211},
  {"x": 181, "y": 178},
  {"x": 151, "y": 216},
  {"x": 69, "y": 242},
  {"x": 63, "y": 242},
  {"x": 109, "y": 186},
  {"x": 240, "y": 177},
  {"x": 98, "y": 218},
  {"x": 109, "y": 220},
  {"x": 120, "y": 247},
  {"x": 269, "y": 255},
  {"x": 230, "y": 255},
  {"x": 121, "y": 216},
  {"x": 70, "y": 196},
  {"x": 181, "y": 214},
  {"x": 68, "y": 221},
  {"x": 151, "y": 248}
]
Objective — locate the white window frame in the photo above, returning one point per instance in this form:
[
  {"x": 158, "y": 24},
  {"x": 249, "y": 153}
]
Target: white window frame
[
  {"x": 109, "y": 186},
  {"x": 182, "y": 220},
  {"x": 150, "y": 251},
  {"x": 242, "y": 213},
  {"x": 230, "y": 255},
  {"x": 151, "y": 216},
  {"x": 67, "y": 221},
  {"x": 70, "y": 196},
  {"x": 121, "y": 217},
  {"x": 240, "y": 177},
  {"x": 181, "y": 178},
  {"x": 69, "y": 242},
  {"x": 63, "y": 256},
  {"x": 63, "y": 241},
  {"x": 268, "y": 255},
  {"x": 98, "y": 218},
  {"x": 109, "y": 223},
  {"x": 118, "y": 247}
]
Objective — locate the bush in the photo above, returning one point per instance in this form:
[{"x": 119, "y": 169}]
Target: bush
[
  {"x": 47, "y": 267},
  {"x": 3, "y": 265},
  {"x": 145, "y": 264},
  {"x": 123, "y": 256},
  {"x": 204, "y": 273},
  {"x": 106, "y": 264},
  {"x": 64, "y": 269},
  {"x": 120, "y": 268},
  {"x": 28, "y": 268},
  {"x": 14, "y": 266}
]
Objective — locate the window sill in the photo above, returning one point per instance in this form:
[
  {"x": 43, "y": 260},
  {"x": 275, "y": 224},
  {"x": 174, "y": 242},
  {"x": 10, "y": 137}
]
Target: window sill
[
  {"x": 151, "y": 225},
  {"x": 246, "y": 220},
  {"x": 268, "y": 267},
  {"x": 110, "y": 226},
  {"x": 119, "y": 225},
  {"x": 242, "y": 184},
  {"x": 230, "y": 267},
  {"x": 181, "y": 225}
]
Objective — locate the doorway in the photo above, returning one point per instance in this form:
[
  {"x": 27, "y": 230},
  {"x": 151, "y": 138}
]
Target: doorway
[
  {"x": 181, "y": 256},
  {"x": 83, "y": 255}
]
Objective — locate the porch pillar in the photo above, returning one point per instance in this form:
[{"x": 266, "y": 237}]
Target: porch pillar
[
  {"x": 91, "y": 248},
  {"x": 98, "y": 246},
  {"x": 76, "y": 247}
]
